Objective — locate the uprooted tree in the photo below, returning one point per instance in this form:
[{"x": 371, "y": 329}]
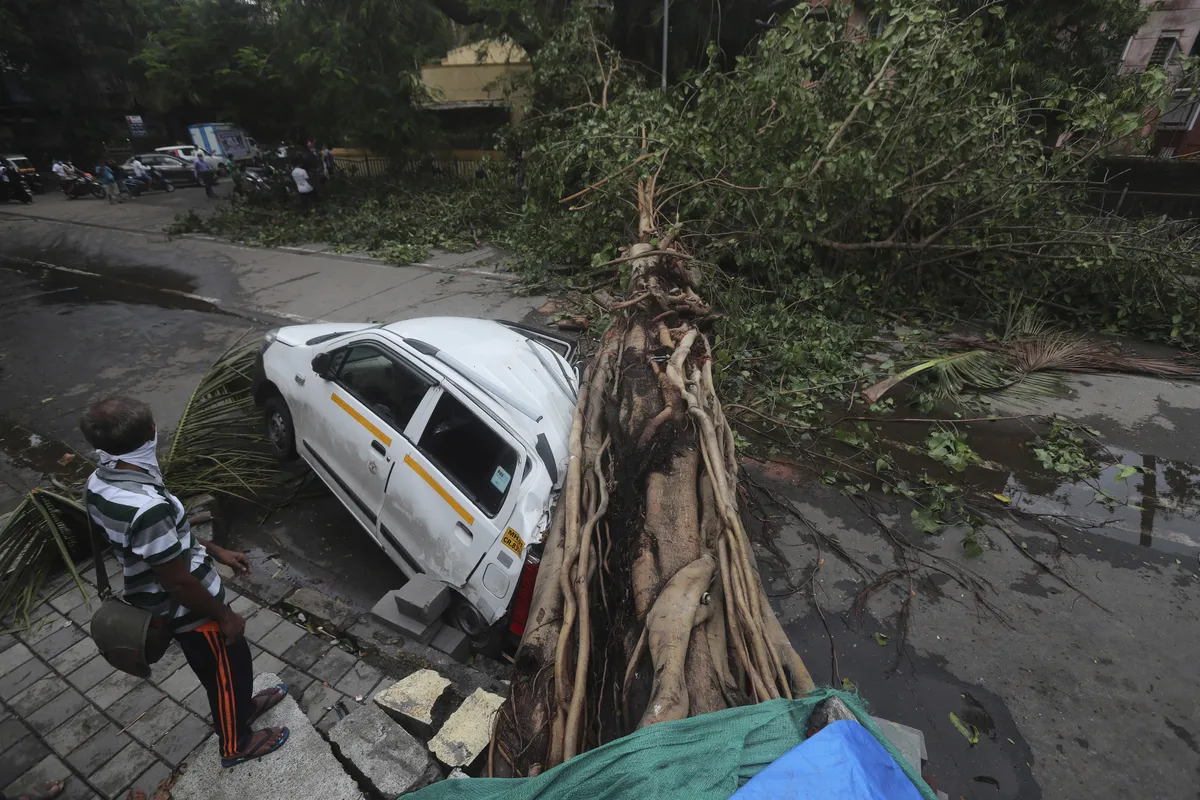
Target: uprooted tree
[{"x": 649, "y": 606}]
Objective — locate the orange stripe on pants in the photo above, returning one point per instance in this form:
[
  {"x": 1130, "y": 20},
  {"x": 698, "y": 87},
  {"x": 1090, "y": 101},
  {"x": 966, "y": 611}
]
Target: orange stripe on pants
[{"x": 226, "y": 699}]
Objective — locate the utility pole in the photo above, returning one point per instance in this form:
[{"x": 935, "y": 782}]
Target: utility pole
[{"x": 666, "y": 27}]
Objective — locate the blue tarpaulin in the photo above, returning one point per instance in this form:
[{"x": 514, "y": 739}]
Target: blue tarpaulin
[{"x": 843, "y": 760}]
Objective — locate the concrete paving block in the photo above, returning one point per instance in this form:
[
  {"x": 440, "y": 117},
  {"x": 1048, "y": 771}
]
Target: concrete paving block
[
  {"x": 58, "y": 641},
  {"x": 75, "y": 656},
  {"x": 183, "y": 737},
  {"x": 38, "y": 694},
  {"x": 333, "y": 666},
  {"x": 326, "y": 609},
  {"x": 245, "y": 606},
  {"x": 361, "y": 678},
  {"x": 267, "y": 589},
  {"x": 62, "y": 708},
  {"x": 386, "y": 612},
  {"x": 260, "y": 623},
  {"x": 306, "y": 652},
  {"x": 12, "y": 730},
  {"x": 281, "y": 637},
  {"x": 72, "y": 598},
  {"x": 93, "y": 754},
  {"x": 390, "y": 759},
  {"x": 75, "y": 731},
  {"x": 265, "y": 662},
  {"x": 166, "y": 666},
  {"x": 180, "y": 684},
  {"x": 414, "y": 696},
  {"x": 91, "y": 673},
  {"x": 7, "y": 640},
  {"x": 48, "y": 769},
  {"x": 905, "y": 739},
  {"x": 317, "y": 698},
  {"x": 304, "y": 767},
  {"x": 423, "y": 598},
  {"x": 14, "y": 657},
  {"x": 131, "y": 706},
  {"x": 20, "y": 758},
  {"x": 113, "y": 688},
  {"x": 467, "y": 731},
  {"x": 452, "y": 642},
  {"x": 197, "y": 703},
  {"x": 158, "y": 722},
  {"x": 297, "y": 681},
  {"x": 122, "y": 769},
  {"x": 22, "y": 677},
  {"x": 149, "y": 780},
  {"x": 44, "y": 628}
]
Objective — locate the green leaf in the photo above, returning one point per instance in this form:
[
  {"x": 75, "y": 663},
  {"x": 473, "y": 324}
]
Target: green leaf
[
  {"x": 881, "y": 639},
  {"x": 970, "y": 733},
  {"x": 1126, "y": 472}
]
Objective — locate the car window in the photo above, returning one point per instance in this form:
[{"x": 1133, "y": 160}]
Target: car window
[
  {"x": 469, "y": 452},
  {"x": 382, "y": 383},
  {"x": 22, "y": 163}
]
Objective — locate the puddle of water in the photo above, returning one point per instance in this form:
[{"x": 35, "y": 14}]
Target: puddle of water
[
  {"x": 922, "y": 694},
  {"x": 150, "y": 286},
  {"x": 1137, "y": 498}
]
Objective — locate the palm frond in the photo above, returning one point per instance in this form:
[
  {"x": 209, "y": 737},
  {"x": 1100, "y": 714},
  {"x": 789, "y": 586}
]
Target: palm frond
[
  {"x": 218, "y": 446},
  {"x": 44, "y": 532}
]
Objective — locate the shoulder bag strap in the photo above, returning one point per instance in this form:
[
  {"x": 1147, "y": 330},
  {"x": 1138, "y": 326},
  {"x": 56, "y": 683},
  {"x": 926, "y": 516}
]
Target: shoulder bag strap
[{"x": 97, "y": 556}]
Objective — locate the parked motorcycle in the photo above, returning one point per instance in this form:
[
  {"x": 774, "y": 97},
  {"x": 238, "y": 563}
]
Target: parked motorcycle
[
  {"x": 15, "y": 188},
  {"x": 82, "y": 185}
]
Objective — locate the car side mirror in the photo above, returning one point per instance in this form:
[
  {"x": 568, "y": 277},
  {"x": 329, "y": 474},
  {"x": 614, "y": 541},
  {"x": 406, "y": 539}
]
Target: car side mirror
[{"x": 320, "y": 365}]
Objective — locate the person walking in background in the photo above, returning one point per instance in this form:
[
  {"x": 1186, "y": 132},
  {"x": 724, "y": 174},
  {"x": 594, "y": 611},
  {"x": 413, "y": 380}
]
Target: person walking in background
[
  {"x": 118, "y": 177},
  {"x": 303, "y": 185},
  {"x": 327, "y": 160},
  {"x": 108, "y": 182},
  {"x": 173, "y": 575},
  {"x": 204, "y": 175}
]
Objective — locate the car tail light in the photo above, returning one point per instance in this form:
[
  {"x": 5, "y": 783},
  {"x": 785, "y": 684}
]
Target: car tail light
[{"x": 524, "y": 596}]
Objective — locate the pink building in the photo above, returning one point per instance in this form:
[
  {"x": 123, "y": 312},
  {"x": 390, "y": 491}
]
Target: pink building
[{"x": 1172, "y": 31}]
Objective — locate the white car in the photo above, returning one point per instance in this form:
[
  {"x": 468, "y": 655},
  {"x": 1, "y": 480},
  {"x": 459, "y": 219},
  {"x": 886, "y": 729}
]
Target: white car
[
  {"x": 188, "y": 153},
  {"x": 445, "y": 437}
]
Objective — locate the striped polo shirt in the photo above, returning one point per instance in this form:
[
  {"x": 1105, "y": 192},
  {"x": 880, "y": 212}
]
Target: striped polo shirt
[{"x": 148, "y": 526}]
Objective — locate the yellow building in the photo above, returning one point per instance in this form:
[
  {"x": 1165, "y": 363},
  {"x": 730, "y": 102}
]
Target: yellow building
[{"x": 482, "y": 75}]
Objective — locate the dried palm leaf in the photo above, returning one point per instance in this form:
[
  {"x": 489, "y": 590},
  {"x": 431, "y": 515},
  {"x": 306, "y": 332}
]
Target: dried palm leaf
[
  {"x": 218, "y": 446},
  {"x": 45, "y": 531}
]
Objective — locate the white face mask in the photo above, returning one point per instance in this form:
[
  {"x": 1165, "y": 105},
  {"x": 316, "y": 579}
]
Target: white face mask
[{"x": 145, "y": 457}]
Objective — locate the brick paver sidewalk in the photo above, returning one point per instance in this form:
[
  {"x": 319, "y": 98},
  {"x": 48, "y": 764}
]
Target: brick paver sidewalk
[{"x": 65, "y": 714}]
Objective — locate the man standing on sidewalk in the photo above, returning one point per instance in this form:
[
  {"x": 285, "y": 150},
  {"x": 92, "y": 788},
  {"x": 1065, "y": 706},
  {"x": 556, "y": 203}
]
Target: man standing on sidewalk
[
  {"x": 204, "y": 174},
  {"x": 173, "y": 575}
]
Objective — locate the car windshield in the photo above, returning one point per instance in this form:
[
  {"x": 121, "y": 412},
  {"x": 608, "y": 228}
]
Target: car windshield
[{"x": 21, "y": 162}]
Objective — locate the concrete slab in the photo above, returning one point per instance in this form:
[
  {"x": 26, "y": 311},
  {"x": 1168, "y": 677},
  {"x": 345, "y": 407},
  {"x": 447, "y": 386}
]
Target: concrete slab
[
  {"x": 387, "y": 612},
  {"x": 452, "y": 642},
  {"x": 909, "y": 741},
  {"x": 414, "y": 697},
  {"x": 304, "y": 767},
  {"x": 468, "y": 731},
  {"x": 423, "y": 598},
  {"x": 388, "y": 757}
]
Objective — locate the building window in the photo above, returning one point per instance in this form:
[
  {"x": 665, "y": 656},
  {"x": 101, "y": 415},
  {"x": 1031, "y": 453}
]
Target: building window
[
  {"x": 1165, "y": 48},
  {"x": 1181, "y": 113}
]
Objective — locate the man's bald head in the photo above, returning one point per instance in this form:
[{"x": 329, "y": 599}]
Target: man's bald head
[{"x": 118, "y": 424}]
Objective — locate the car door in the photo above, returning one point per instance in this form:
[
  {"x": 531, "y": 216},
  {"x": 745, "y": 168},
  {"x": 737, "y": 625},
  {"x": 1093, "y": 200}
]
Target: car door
[
  {"x": 449, "y": 497},
  {"x": 354, "y": 429}
]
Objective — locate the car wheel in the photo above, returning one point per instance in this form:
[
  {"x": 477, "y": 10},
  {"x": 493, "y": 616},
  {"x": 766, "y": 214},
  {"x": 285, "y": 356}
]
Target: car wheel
[
  {"x": 170, "y": 187},
  {"x": 281, "y": 432}
]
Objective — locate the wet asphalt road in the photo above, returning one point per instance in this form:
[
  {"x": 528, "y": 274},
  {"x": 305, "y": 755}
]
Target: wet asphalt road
[{"x": 1071, "y": 697}]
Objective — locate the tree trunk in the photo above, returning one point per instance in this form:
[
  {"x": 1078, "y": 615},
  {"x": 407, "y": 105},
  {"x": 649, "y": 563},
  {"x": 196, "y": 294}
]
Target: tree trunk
[{"x": 648, "y": 605}]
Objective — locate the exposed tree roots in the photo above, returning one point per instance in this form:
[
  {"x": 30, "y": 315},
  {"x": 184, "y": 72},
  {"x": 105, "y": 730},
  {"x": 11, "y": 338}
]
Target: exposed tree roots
[{"x": 648, "y": 605}]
